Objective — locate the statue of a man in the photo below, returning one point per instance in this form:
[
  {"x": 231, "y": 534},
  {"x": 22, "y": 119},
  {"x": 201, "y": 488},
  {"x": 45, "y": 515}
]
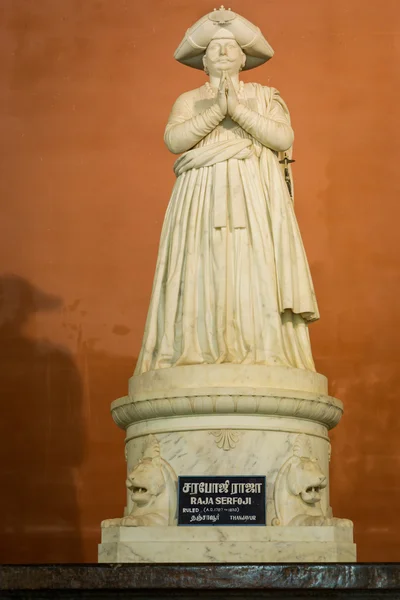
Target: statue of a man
[{"x": 232, "y": 283}]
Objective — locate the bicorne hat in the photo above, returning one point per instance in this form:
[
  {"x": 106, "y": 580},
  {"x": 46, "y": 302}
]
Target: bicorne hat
[{"x": 191, "y": 50}]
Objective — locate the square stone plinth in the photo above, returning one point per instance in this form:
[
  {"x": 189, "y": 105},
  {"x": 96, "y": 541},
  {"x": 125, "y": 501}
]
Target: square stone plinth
[{"x": 204, "y": 544}]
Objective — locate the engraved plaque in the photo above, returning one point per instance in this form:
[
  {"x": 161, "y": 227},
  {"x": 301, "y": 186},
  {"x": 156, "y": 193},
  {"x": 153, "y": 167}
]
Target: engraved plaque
[{"x": 222, "y": 500}]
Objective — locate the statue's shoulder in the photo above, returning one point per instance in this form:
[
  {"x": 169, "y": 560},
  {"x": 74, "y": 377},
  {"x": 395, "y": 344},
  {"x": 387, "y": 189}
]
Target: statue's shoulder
[
  {"x": 192, "y": 96},
  {"x": 261, "y": 89},
  {"x": 265, "y": 95}
]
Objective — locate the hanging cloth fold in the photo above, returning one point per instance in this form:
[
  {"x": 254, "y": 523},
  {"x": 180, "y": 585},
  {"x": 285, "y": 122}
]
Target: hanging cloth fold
[{"x": 228, "y": 195}]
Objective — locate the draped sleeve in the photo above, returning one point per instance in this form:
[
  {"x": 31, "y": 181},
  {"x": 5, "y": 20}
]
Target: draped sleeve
[
  {"x": 272, "y": 130},
  {"x": 185, "y": 129}
]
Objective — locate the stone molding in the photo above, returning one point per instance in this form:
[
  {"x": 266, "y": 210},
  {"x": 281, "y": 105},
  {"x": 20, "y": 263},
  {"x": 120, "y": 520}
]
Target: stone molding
[
  {"x": 236, "y": 423},
  {"x": 321, "y": 409},
  {"x": 250, "y": 378}
]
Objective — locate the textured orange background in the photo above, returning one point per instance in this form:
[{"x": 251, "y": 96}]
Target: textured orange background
[{"x": 85, "y": 91}]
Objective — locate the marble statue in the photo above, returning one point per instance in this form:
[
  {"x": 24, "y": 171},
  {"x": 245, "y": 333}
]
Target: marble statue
[
  {"x": 225, "y": 384},
  {"x": 232, "y": 282}
]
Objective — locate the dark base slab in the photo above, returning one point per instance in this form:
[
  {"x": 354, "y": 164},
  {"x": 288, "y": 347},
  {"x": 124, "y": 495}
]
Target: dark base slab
[{"x": 219, "y": 581}]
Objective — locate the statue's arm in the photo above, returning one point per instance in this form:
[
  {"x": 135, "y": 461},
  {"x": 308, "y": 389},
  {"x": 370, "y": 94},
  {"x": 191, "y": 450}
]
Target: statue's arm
[
  {"x": 273, "y": 131},
  {"x": 184, "y": 130}
]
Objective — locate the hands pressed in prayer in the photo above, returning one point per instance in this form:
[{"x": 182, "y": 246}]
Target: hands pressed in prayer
[
  {"x": 227, "y": 95},
  {"x": 222, "y": 99},
  {"x": 232, "y": 97}
]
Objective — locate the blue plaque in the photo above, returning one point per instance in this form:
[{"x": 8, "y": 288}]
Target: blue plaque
[{"x": 222, "y": 500}]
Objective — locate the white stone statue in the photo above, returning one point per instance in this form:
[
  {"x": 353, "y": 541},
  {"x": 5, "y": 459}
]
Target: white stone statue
[
  {"x": 225, "y": 383},
  {"x": 232, "y": 283}
]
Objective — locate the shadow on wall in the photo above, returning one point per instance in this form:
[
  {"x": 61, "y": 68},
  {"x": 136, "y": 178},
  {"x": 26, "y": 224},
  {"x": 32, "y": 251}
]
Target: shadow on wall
[{"x": 41, "y": 435}]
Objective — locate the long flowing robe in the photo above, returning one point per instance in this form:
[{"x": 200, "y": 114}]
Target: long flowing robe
[{"x": 232, "y": 283}]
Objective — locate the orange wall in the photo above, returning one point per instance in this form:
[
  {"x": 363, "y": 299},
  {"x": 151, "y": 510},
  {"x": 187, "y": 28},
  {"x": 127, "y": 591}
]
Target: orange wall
[{"x": 85, "y": 91}]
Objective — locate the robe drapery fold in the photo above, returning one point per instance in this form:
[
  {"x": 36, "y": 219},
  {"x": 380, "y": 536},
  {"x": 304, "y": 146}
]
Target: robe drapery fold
[
  {"x": 232, "y": 281},
  {"x": 228, "y": 196}
]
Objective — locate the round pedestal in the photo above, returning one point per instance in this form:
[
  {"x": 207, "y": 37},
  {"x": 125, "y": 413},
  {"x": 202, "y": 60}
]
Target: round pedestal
[{"x": 230, "y": 420}]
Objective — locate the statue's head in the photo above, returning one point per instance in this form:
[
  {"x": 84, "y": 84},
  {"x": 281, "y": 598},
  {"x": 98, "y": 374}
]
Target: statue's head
[
  {"x": 223, "y": 31},
  {"x": 223, "y": 54}
]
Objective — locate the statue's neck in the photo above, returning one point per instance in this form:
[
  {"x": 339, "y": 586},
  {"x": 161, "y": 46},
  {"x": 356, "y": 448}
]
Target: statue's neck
[{"x": 215, "y": 79}]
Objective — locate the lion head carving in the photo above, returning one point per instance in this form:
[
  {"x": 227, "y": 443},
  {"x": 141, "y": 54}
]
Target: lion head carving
[
  {"x": 152, "y": 484},
  {"x": 306, "y": 479},
  {"x": 299, "y": 487},
  {"x": 145, "y": 480}
]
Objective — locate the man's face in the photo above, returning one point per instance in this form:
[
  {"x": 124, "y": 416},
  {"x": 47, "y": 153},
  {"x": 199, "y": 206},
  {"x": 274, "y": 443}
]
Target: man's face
[{"x": 223, "y": 55}]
